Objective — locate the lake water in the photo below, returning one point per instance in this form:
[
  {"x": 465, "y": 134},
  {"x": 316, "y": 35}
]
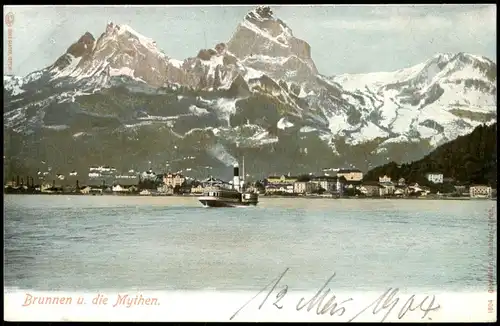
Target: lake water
[{"x": 101, "y": 243}]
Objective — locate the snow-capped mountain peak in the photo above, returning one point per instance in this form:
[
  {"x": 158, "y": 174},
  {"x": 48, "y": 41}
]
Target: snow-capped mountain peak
[
  {"x": 439, "y": 99},
  {"x": 260, "y": 13},
  {"x": 420, "y": 75},
  {"x": 129, "y": 32},
  {"x": 262, "y": 21},
  {"x": 258, "y": 89},
  {"x": 444, "y": 56},
  {"x": 261, "y": 37},
  {"x": 119, "y": 51}
]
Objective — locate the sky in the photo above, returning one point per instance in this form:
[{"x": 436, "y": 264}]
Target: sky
[{"x": 343, "y": 38}]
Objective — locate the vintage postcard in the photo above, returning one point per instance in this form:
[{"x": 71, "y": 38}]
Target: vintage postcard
[{"x": 250, "y": 163}]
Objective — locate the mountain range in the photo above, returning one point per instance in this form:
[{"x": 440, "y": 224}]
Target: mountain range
[{"x": 118, "y": 100}]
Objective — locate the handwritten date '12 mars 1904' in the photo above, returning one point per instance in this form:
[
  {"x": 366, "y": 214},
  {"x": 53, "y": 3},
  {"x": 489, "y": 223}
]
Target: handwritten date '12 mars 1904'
[{"x": 382, "y": 306}]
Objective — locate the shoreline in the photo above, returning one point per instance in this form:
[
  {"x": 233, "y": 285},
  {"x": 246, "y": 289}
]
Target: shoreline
[
  {"x": 260, "y": 196},
  {"x": 378, "y": 198}
]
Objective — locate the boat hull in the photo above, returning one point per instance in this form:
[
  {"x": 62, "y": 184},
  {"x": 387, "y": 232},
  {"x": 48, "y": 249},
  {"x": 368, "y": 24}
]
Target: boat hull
[{"x": 223, "y": 202}]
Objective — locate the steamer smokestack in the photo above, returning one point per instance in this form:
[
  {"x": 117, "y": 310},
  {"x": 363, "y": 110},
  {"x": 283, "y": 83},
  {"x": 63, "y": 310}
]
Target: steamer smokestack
[
  {"x": 236, "y": 177},
  {"x": 243, "y": 175}
]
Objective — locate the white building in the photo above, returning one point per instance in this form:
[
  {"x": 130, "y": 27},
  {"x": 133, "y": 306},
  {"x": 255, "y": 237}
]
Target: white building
[
  {"x": 118, "y": 188},
  {"x": 399, "y": 192},
  {"x": 327, "y": 183},
  {"x": 350, "y": 174},
  {"x": 145, "y": 192},
  {"x": 302, "y": 187},
  {"x": 148, "y": 175},
  {"x": 173, "y": 179},
  {"x": 434, "y": 177},
  {"x": 299, "y": 187},
  {"x": 384, "y": 179},
  {"x": 480, "y": 191},
  {"x": 386, "y": 189},
  {"x": 126, "y": 177},
  {"x": 284, "y": 188},
  {"x": 417, "y": 188}
]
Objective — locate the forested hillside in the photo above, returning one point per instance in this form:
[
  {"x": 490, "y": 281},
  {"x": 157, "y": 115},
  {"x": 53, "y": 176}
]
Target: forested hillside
[{"x": 469, "y": 159}]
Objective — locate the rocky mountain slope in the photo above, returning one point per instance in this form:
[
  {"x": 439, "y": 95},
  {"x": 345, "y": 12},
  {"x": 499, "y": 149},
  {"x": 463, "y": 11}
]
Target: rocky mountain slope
[{"x": 121, "y": 101}]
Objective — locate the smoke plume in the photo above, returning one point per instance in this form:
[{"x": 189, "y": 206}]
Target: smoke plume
[{"x": 219, "y": 152}]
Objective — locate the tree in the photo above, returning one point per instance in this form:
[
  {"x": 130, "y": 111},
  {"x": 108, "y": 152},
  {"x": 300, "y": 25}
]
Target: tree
[
  {"x": 147, "y": 184},
  {"x": 319, "y": 191},
  {"x": 470, "y": 158},
  {"x": 260, "y": 186},
  {"x": 304, "y": 178},
  {"x": 351, "y": 192},
  {"x": 444, "y": 188}
]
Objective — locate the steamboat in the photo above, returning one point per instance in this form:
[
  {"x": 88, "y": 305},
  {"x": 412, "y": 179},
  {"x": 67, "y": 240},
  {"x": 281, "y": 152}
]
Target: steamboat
[{"x": 233, "y": 196}]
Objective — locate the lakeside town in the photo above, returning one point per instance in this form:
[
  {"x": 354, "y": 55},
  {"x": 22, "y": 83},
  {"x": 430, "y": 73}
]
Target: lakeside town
[{"x": 332, "y": 183}]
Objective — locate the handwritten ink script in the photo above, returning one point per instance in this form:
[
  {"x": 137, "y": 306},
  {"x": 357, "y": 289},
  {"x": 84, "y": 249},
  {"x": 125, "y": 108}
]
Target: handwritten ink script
[
  {"x": 390, "y": 301},
  {"x": 121, "y": 300}
]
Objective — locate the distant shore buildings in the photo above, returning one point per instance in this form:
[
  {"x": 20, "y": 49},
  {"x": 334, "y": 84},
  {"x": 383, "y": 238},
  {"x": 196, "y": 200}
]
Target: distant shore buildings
[
  {"x": 434, "y": 177},
  {"x": 337, "y": 182},
  {"x": 480, "y": 191}
]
